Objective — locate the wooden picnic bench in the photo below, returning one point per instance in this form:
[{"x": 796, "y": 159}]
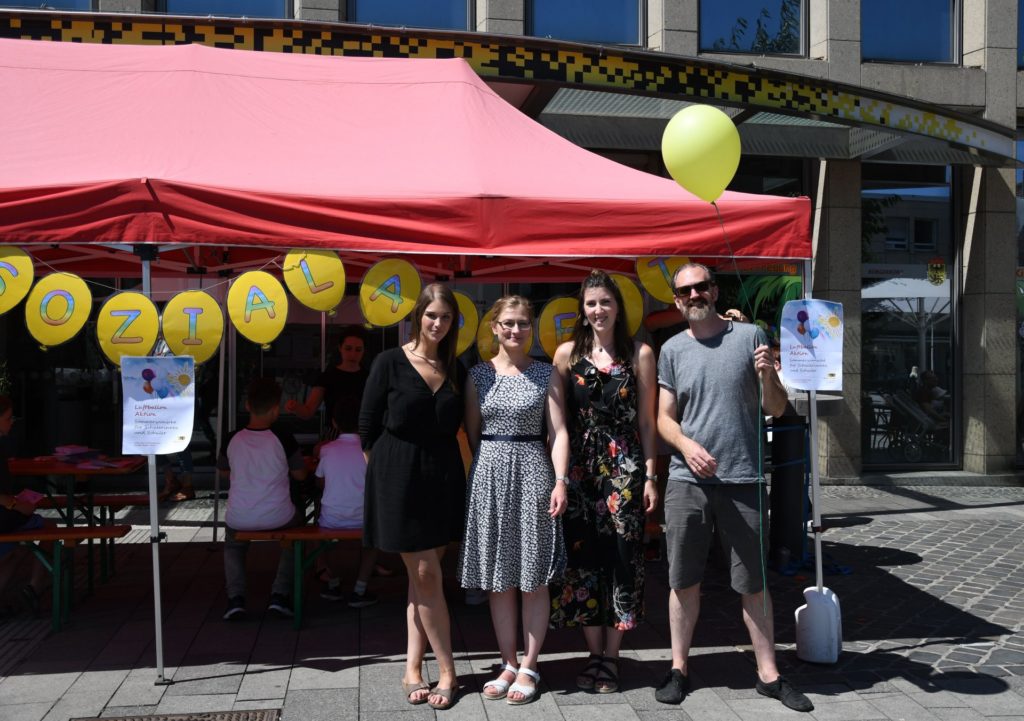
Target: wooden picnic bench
[
  {"x": 298, "y": 537},
  {"x": 64, "y": 538}
]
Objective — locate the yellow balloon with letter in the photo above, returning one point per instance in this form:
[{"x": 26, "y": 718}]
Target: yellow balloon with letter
[
  {"x": 487, "y": 341},
  {"x": 258, "y": 306},
  {"x": 633, "y": 300},
  {"x": 16, "y": 275},
  {"x": 556, "y": 323},
  {"x": 193, "y": 324},
  {"x": 656, "y": 274},
  {"x": 57, "y": 308},
  {"x": 469, "y": 319},
  {"x": 701, "y": 150},
  {"x": 127, "y": 325},
  {"x": 389, "y": 291},
  {"x": 316, "y": 278}
]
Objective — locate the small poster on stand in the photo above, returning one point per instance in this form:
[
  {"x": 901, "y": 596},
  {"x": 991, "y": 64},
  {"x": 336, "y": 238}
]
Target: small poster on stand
[
  {"x": 811, "y": 339},
  {"x": 159, "y": 403}
]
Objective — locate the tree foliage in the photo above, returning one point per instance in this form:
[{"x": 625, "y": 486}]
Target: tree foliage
[{"x": 786, "y": 39}]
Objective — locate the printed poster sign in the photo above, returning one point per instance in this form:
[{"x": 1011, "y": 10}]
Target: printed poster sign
[
  {"x": 159, "y": 403},
  {"x": 811, "y": 340}
]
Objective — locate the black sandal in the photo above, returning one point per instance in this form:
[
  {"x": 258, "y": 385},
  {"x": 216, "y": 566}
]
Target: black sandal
[
  {"x": 585, "y": 681},
  {"x": 607, "y": 680}
]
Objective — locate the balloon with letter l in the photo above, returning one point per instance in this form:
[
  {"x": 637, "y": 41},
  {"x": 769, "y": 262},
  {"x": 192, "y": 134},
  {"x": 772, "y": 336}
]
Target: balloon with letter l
[
  {"x": 701, "y": 150},
  {"x": 316, "y": 278}
]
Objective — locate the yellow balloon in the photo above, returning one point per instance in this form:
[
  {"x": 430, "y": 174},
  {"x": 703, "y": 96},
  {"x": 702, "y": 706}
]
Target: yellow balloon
[
  {"x": 258, "y": 306},
  {"x": 316, "y": 278},
  {"x": 127, "y": 324},
  {"x": 487, "y": 341},
  {"x": 389, "y": 291},
  {"x": 469, "y": 319},
  {"x": 656, "y": 273},
  {"x": 193, "y": 324},
  {"x": 556, "y": 323},
  {"x": 701, "y": 150},
  {"x": 16, "y": 276},
  {"x": 57, "y": 308},
  {"x": 633, "y": 300}
]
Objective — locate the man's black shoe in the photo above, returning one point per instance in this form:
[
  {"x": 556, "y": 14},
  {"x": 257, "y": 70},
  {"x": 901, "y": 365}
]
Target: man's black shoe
[
  {"x": 673, "y": 688},
  {"x": 782, "y": 690}
]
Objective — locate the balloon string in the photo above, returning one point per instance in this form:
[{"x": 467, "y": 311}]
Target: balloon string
[{"x": 761, "y": 482}]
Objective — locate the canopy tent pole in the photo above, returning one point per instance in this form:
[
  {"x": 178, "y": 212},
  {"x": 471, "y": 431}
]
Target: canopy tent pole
[
  {"x": 147, "y": 253},
  {"x": 219, "y": 435}
]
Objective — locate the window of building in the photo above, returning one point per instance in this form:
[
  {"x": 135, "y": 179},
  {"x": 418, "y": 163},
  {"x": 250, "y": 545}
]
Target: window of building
[
  {"x": 897, "y": 231},
  {"x": 230, "y": 8},
  {"x": 1020, "y": 34},
  {"x": 765, "y": 27},
  {"x": 444, "y": 14},
  {"x": 84, "y": 5},
  {"x": 920, "y": 31},
  {"x": 615, "y": 22},
  {"x": 908, "y": 297}
]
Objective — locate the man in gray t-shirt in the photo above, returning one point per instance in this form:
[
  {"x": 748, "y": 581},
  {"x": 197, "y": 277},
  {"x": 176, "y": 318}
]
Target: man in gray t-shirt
[{"x": 711, "y": 377}]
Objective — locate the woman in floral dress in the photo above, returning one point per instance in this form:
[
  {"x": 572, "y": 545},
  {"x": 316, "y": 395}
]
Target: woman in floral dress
[{"x": 610, "y": 391}]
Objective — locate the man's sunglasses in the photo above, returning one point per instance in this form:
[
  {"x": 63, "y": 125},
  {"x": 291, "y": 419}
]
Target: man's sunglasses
[{"x": 683, "y": 291}]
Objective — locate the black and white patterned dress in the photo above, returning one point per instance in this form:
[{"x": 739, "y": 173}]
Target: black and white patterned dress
[{"x": 511, "y": 541}]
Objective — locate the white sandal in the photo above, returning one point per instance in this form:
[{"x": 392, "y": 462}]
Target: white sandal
[
  {"x": 500, "y": 684},
  {"x": 529, "y": 692}
]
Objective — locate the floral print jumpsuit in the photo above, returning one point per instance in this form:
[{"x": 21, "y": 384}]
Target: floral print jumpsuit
[{"x": 604, "y": 524}]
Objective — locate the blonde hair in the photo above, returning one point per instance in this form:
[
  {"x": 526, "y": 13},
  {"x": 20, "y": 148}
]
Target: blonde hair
[{"x": 507, "y": 302}]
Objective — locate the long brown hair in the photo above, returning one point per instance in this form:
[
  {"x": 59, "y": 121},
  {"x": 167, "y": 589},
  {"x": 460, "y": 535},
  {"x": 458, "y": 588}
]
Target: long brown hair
[
  {"x": 583, "y": 337},
  {"x": 446, "y": 348}
]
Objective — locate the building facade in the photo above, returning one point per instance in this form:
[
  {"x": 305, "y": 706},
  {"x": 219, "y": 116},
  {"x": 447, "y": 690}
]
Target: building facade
[{"x": 916, "y": 229}]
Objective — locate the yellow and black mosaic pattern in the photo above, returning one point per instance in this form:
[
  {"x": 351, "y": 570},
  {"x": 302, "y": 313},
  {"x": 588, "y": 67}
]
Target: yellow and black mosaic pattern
[{"x": 536, "y": 61}]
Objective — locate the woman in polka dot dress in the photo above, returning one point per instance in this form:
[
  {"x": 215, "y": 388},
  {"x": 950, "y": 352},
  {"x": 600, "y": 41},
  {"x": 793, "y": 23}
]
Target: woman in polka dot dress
[{"x": 513, "y": 540}]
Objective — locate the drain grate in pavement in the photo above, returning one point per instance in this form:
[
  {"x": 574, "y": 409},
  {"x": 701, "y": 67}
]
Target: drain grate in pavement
[{"x": 256, "y": 715}]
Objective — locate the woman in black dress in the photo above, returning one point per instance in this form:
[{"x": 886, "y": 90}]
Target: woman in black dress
[{"x": 415, "y": 481}]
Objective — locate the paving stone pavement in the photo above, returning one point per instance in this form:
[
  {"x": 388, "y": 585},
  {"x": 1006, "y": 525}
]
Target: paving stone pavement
[{"x": 930, "y": 578}]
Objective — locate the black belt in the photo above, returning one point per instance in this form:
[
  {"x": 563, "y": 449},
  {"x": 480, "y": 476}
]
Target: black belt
[{"x": 514, "y": 439}]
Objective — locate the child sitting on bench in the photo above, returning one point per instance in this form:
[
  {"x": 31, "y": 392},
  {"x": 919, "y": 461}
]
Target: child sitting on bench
[
  {"x": 341, "y": 474},
  {"x": 260, "y": 460}
]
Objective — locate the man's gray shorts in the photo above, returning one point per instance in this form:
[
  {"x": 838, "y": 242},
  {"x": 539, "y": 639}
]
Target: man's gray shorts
[{"x": 736, "y": 510}]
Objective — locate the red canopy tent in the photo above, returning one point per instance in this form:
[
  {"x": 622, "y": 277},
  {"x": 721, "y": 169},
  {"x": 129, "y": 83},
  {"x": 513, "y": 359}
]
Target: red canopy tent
[{"x": 224, "y": 151}]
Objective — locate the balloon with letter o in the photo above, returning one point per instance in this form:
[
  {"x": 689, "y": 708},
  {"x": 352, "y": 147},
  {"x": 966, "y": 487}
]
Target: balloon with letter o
[{"x": 57, "y": 308}]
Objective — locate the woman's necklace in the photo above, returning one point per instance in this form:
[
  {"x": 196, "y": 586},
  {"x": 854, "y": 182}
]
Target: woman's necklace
[{"x": 432, "y": 363}]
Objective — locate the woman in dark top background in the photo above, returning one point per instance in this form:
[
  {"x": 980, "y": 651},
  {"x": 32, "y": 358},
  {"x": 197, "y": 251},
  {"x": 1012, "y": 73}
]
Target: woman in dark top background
[
  {"x": 341, "y": 383},
  {"x": 415, "y": 481}
]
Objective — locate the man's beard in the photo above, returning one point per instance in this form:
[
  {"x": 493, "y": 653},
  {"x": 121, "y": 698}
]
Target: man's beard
[{"x": 697, "y": 313}]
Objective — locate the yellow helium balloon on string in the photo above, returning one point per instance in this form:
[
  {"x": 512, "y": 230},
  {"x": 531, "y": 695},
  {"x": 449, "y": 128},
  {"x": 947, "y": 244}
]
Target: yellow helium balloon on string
[
  {"x": 127, "y": 325},
  {"x": 16, "y": 275},
  {"x": 556, "y": 323},
  {"x": 193, "y": 324},
  {"x": 469, "y": 319},
  {"x": 632, "y": 299},
  {"x": 316, "y": 278},
  {"x": 57, "y": 308},
  {"x": 701, "y": 150},
  {"x": 389, "y": 291},
  {"x": 258, "y": 306}
]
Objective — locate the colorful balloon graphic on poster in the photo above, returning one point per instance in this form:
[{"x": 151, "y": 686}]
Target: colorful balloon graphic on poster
[
  {"x": 128, "y": 324},
  {"x": 193, "y": 324},
  {"x": 469, "y": 320},
  {"x": 16, "y": 276},
  {"x": 556, "y": 322},
  {"x": 657, "y": 272},
  {"x": 57, "y": 308},
  {"x": 389, "y": 291},
  {"x": 632, "y": 299},
  {"x": 258, "y": 306},
  {"x": 316, "y": 278}
]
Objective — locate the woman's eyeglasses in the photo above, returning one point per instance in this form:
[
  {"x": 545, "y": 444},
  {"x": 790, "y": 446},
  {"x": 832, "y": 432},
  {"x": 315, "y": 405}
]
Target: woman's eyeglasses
[
  {"x": 513, "y": 324},
  {"x": 683, "y": 291}
]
